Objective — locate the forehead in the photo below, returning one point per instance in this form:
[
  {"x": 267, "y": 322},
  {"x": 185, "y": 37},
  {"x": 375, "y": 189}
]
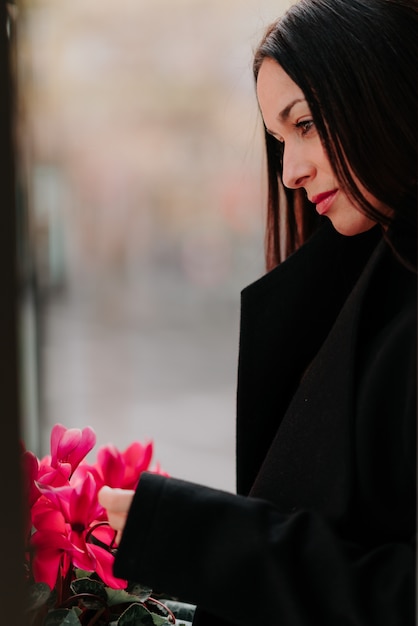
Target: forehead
[{"x": 275, "y": 88}]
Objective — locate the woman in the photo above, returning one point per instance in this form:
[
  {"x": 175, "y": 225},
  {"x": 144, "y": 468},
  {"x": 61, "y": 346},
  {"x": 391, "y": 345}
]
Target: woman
[{"x": 323, "y": 528}]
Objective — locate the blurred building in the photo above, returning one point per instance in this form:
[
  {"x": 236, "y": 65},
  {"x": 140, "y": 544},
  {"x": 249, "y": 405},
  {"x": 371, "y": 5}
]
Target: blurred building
[{"x": 143, "y": 185}]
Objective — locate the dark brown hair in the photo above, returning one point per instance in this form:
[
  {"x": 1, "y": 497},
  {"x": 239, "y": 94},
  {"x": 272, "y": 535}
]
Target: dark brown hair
[{"x": 356, "y": 63}]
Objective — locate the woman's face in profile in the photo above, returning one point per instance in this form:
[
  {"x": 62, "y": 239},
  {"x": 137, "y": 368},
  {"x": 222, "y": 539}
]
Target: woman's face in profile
[{"x": 287, "y": 117}]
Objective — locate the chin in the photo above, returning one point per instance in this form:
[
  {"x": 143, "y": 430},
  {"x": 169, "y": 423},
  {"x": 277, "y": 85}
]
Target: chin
[{"x": 351, "y": 227}]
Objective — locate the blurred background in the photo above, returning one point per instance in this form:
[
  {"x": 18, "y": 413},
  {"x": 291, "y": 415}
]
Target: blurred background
[{"x": 141, "y": 200}]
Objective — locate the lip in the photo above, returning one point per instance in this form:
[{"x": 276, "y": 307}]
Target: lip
[{"x": 324, "y": 200}]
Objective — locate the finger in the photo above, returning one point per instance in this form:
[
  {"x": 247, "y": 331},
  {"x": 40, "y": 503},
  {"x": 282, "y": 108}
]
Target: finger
[
  {"x": 117, "y": 500},
  {"x": 117, "y": 520}
]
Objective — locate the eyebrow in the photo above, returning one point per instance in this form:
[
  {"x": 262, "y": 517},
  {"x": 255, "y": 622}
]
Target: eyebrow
[{"x": 283, "y": 115}]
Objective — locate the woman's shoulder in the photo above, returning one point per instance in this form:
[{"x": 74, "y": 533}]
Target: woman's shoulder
[{"x": 326, "y": 259}]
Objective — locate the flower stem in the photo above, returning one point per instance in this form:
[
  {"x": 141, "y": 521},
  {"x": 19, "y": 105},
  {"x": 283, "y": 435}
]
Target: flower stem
[{"x": 96, "y": 617}]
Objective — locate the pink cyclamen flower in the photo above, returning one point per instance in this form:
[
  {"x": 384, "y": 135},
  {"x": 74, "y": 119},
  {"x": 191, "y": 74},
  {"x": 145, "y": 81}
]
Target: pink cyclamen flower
[
  {"x": 137, "y": 459},
  {"x": 70, "y": 446},
  {"x": 119, "y": 469},
  {"x": 67, "y": 515},
  {"x": 58, "y": 476},
  {"x": 52, "y": 549}
]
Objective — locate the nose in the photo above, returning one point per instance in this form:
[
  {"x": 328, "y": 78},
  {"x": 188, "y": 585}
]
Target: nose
[{"x": 297, "y": 167}]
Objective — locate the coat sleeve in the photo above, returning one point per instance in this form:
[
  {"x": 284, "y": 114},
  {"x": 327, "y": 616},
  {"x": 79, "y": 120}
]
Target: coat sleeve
[{"x": 243, "y": 561}]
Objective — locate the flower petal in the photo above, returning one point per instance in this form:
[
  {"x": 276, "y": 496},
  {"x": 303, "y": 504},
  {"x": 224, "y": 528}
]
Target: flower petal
[
  {"x": 84, "y": 506},
  {"x": 105, "y": 534},
  {"x": 137, "y": 458},
  {"x": 45, "y": 567},
  {"x": 47, "y": 518},
  {"x": 157, "y": 470},
  {"x": 83, "y": 556},
  {"x": 111, "y": 465},
  {"x": 48, "y": 540},
  {"x": 104, "y": 568},
  {"x": 55, "y": 476},
  {"x": 59, "y": 497},
  {"x": 70, "y": 445},
  {"x": 30, "y": 474},
  {"x": 56, "y": 435},
  {"x": 49, "y": 549},
  {"x": 85, "y": 445}
]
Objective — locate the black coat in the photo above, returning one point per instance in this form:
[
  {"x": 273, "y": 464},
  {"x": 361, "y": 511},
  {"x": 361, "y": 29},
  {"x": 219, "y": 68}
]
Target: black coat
[{"x": 325, "y": 449}]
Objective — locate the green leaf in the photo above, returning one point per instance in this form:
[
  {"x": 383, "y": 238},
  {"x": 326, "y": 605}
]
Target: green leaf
[
  {"x": 140, "y": 591},
  {"x": 136, "y": 615},
  {"x": 159, "y": 620},
  {"x": 82, "y": 573},
  {"x": 62, "y": 617},
  {"x": 119, "y": 596},
  {"x": 87, "y": 585},
  {"x": 38, "y": 595},
  {"x": 181, "y": 610}
]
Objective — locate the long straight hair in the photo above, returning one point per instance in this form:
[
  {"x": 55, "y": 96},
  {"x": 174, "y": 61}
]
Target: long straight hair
[{"x": 356, "y": 63}]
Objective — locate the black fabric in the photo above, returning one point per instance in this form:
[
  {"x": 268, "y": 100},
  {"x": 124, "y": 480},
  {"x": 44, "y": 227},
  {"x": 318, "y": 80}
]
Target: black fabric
[
  {"x": 285, "y": 318},
  {"x": 328, "y": 369}
]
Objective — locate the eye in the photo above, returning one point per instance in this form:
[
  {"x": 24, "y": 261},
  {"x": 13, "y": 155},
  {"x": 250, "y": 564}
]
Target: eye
[{"x": 305, "y": 126}]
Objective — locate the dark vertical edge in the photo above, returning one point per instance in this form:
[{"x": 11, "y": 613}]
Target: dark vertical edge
[{"x": 11, "y": 523}]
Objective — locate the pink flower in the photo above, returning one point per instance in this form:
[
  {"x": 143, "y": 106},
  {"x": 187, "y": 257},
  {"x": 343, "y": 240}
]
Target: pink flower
[
  {"x": 70, "y": 446},
  {"x": 30, "y": 474},
  {"x": 52, "y": 549},
  {"x": 54, "y": 476},
  {"x": 119, "y": 469},
  {"x": 67, "y": 516},
  {"x": 69, "y": 525},
  {"x": 137, "y": 459}
]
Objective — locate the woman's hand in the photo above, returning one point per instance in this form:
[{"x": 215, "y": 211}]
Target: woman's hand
[{"x": 117, "y": 503}]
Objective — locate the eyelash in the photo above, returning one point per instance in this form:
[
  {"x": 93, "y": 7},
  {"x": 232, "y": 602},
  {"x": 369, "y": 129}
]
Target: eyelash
[{"x": 304, "y": 126}]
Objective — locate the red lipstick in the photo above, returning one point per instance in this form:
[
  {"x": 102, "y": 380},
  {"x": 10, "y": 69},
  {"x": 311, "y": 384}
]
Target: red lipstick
[{"x": 324, "y": 200}]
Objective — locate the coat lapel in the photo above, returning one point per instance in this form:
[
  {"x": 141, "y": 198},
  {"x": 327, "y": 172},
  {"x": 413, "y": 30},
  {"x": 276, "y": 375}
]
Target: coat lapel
[
  {"x": 285, "y": 318},
  {"x": 308, "y": 463}
]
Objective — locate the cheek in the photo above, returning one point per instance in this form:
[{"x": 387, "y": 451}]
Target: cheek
[{"x": 347, "y": 219}]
